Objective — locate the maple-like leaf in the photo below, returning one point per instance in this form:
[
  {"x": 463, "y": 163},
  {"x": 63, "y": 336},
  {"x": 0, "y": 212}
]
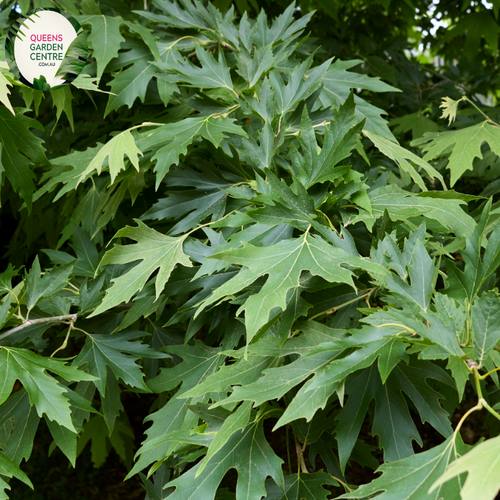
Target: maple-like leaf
[
  {"x": 283, "y": 263},
  {"x": 338, "y": 83},
  {"x": 485, "y": 324},
  {"x": 18, "y": 425},
  {"x": 4, "y": 93},
  {"x": 412, "y": 477},
  {"x": 199, "y": 362},
  {"x": 20, "y": 148},
  {"x": 9, "y": 469},
  {"x": 105, "y": 37},
  {"x": 248, "y": 452},
  {"x": 481, "y": 464},
  {"x": 171, "y": 140},
  {"x": 392, "y": 420},
  {"x": 478, "y": 265},
  {"x": 120, "y": 354},
  {"x": 212, "y": 74},
  {"x": 252, "y": 66},
  {"x": 403, "y": 157},
  {"x": 449, "y": 109},
  {"x": 302, "y": 486},
  {"x": 232, "y": 424},
  {"x": 133, "y": 74},
  {"x": 401, "y": 205},
  {"x": 339, "y": 140},
  {"x": 465, "y": 145},
  {"x": 115, "y": 149},
  {"x": 154, "y": 251},
  {"x": 38, "y": 286},
  {"x": 46, "y": 394},
  {"x": 300, "y": 83}
]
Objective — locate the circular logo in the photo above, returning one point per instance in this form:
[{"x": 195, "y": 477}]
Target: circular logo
[{"x": 46, "y": 49}]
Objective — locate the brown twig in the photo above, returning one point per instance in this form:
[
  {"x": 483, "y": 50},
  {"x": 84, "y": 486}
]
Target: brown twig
[{"x": 52, "y": 319}]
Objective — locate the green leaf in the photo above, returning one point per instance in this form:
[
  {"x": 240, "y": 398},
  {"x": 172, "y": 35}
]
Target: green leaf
[
  {"x": 38, "y": 286},
  {"x": 172, "y": 140},
  {"x": 252, "y": 66},
  {"x": 248, "y": 452},
  {"x": 105, "y": 37},
  {"x": 153, "y": 250},
  {"x": 421, "y": 272},
  {"x": 392, "y": 420},
  {"x": 9, "y": 469},
  {"x": 339, "y": 140},
  {"x": 449, "y": 109},
  {"x": 476, "y": 26},
  {"x": 234, "y": 423},
  {"x": 338, "y": 83},
  {"x": 196, "y": 203},
  {"x": 132, "y": 82},
  {"x": 4, "y": 93},
  {"x": 44, "y": 391},
  {"x": 485, "y": 323},
  {"x": 299, "y": 84},
  {"x": 23, "y": 419},
  {"x": 87, "y": 257},
  {"x": 96, "y": 432},
  {"x": 403, "y": 157},
  {"x": 402, "y": 205},
  {"x": 478, "y": 463},
  {"x": 212, "y": 74},
  {"x": 199, "y": 362},
  {"x": 412, "y": 477},
  {"x": 62, "y": 99},
  {"x": 120, "y": 145},
  {"x": 465, "y": 144},
  {"x": 64, "y": 439},
  {"x": 87, "y": 82},
  {"x": 117, "y": 352},
  {"x": 276, "y": 382},
  {"x": 19, "y": 150},
  {"x": 111, "y": 401},
  {"x": 302, "y": 487},
  {"x": 283, "y": 263},
  {"x": 416, "y": 122},
  {"x": 442, "y": 332},
  {"x": 75, "y": 57},
  {"x": 478, "y": 266},
  {"x": 243, "y": 371}
]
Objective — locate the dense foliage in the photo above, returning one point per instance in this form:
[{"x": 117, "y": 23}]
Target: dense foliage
[{"x": 216, "y": 218}]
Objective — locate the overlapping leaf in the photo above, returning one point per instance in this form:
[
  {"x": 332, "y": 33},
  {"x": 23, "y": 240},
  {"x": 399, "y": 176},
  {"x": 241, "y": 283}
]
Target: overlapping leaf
[
  {"x": 338, "y": 83},
  {"x": 412, "y": 477},
  {"x": 44, "y": 391},
  {"x": 248, "y": 452},
  {"x": 171, "y": 140},
  {"x": 153, "y": 250},
  {"x": 479, "y": 464},
  {"x": 339, "y": 140},
  {"x": 465, "y": 145},
  {"x": 120, "y": 354},
  {"x": 402, "y": 205},
  {"x": 20, "y": 149},
  {"x": 199, "y": 363},
  {"x": 283, "y": 264}
]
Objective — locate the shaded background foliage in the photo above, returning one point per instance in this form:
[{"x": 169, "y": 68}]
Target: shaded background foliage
[{"x": 393, "y": 40}]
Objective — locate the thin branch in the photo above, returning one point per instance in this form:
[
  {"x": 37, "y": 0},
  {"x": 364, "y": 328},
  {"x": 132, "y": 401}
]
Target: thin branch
[{"x": 53, "y": 319}]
